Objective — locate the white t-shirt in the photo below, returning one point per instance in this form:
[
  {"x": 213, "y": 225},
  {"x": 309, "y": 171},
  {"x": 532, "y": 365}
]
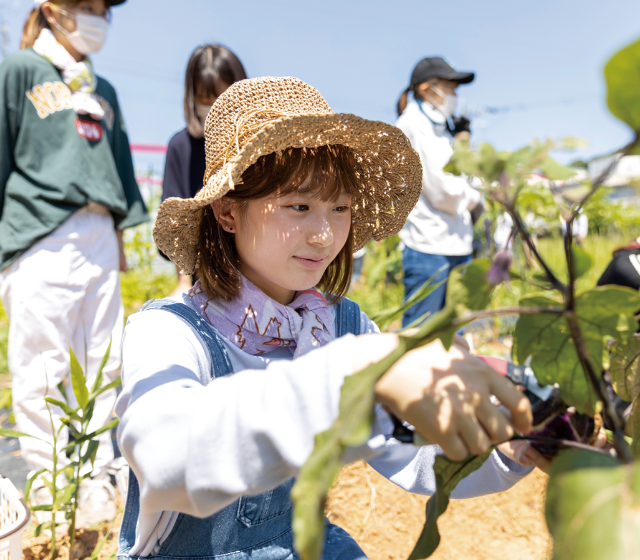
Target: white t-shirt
[
  {"x": 440, "y": 223},
  {"x": 179, "y": 430}
]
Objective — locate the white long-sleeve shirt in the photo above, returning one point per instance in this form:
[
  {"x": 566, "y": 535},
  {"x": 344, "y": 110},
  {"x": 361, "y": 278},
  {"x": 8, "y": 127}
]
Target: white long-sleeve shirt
[
  {"x": 198, "y": 445},
  {"x": 440, "y": 223}
]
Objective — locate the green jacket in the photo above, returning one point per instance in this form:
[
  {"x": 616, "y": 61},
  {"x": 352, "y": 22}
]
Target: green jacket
[{"x": 54, "y": 161}]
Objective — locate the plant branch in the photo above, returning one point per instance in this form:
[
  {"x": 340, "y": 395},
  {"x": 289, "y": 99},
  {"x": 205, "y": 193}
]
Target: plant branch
[
  {"x": 562, "y": 443},
  {"x": 619, "y": 443},
  {"x": 515, "y": 310},
  {"x": 524, "y": 234},
  {"x": 595, "y": 380},
  {"x": 603, "y": 177}
]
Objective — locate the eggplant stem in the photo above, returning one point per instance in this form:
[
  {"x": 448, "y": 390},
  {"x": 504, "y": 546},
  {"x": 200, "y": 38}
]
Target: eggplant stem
[{"x": 562, "y": 443}]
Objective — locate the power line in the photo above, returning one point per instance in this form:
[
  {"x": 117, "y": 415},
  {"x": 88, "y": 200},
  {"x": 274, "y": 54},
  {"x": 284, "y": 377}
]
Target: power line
[{"x": 489, "y": 110}]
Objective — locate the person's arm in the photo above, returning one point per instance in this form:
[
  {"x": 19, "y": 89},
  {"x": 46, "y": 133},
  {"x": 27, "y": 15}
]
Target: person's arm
[
  {"x": 9, "y": 125},
  {"x": 172, "y": 183},
  {"x": 181, "y": 437},
  {"x": 137, "y": 210},
  {"x": 444, "y": 191},
  {"x": 411, "y": 467}
]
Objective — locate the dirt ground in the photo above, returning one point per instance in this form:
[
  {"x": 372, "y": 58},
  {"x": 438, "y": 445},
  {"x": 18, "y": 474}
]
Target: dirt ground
[{"x": 386, "y": 521}]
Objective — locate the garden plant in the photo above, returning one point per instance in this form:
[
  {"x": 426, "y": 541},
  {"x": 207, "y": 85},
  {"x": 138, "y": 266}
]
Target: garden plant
[
  {"x": 63, "y": 482},
  {"x": 572, "y": 338}
]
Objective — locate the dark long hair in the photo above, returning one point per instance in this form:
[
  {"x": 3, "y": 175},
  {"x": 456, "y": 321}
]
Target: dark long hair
[
  {"x": 211, "y": 69},
  {"x": 402, "y": 101}
]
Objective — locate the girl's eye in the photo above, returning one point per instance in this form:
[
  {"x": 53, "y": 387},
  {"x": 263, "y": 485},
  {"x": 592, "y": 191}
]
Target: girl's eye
[
  {"x": 300, "y": 207},
  {"x": 343, "y": 209}
]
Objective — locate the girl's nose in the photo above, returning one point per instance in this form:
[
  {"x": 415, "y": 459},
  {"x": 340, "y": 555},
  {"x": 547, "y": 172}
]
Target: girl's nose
[{"x": 321, "y": 232}]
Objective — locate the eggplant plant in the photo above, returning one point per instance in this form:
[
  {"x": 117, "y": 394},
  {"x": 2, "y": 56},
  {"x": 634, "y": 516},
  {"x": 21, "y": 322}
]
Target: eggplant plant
[
  {"x": 63, "y": 481},
  {"x": 571, "y": 339}
]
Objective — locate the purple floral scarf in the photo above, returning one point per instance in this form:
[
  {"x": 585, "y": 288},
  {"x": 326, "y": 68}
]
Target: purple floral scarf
[{"x": 257, "y": 324}]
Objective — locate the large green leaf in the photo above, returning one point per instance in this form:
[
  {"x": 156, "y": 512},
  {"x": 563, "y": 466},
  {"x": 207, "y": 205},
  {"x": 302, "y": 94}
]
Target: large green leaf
[
  {"x": 30, "y": 481},
  {"x": 581, "y": 261},
  {"x": 593, "y": 507},
  {"x": 464, "y": 160},
  {"x": 92, "y": 435},
  {"x": 448, "y": 474},
  {"x": 622, "y": 74},
  {"x": 547, "y": 339},
  {"x": 65, "y": 494},
  {"x": 467, "y": 289},
  {"x": 13, "y": 433},
  {"x": 633, "y": 427},
  {"x": 97, "y": 383},
  {"x": 64, "y": 406},
  {"x": 78, "y": 380},
  {"x": 625, "y": 368},
  {"x": 555, "y": 171}
]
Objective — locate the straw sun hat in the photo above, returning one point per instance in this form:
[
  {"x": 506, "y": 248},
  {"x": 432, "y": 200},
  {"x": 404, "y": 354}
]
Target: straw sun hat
[{"x": 256, "y": 117}]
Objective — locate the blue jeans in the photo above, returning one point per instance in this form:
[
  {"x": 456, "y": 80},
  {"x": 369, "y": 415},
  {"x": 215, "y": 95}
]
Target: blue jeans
[{"x": 418, "y": 268}]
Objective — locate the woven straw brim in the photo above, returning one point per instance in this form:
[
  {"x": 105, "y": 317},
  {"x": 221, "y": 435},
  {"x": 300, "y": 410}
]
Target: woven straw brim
[{"x": 391, "y": 179}]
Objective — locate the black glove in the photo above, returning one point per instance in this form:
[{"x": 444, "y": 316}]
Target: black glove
[
  {"x": 460, "y": 124},
  {"x": 476, "y": 212}
]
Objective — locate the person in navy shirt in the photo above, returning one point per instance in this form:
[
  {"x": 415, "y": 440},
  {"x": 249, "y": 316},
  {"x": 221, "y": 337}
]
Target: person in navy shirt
[{"x": 210, "y": 71}]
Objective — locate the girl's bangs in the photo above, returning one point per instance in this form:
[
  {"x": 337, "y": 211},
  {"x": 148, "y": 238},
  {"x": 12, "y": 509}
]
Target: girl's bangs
[
  {"x": 206, "y": 82},
  {"x": 327, "y": 171}
]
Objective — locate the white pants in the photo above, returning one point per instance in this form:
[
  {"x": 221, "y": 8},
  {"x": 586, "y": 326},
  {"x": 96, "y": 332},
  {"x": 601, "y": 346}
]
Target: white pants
[{"x": 65, "y": 290}]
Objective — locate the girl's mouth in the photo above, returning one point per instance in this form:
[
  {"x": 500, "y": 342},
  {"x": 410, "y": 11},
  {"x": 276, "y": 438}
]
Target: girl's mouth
[{"x": 310, "y": 263}]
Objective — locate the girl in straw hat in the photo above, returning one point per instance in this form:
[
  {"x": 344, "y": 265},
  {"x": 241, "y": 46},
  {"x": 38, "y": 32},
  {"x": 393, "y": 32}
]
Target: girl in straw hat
[{"x": 225, "y": 391}]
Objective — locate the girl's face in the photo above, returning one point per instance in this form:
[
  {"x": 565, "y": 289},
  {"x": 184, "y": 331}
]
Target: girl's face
[
  {"x": 54, "y": 16},
  {"x": 286, "y": 243}
]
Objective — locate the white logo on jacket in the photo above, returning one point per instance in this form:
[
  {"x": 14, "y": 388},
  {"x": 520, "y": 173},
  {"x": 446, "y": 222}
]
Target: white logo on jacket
[{"x": 51, "y": 97}]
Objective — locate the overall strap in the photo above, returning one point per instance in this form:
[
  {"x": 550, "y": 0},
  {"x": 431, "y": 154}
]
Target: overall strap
[
  {"x": 347, "y": 318},
  {"x": 220, "y": 363}
]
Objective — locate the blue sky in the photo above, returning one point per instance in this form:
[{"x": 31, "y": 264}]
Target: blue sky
[{"x": 542, "y": 58}]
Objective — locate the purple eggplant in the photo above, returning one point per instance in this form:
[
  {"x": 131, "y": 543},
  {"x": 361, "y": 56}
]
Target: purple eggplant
[{"x": 553, "y": 419}]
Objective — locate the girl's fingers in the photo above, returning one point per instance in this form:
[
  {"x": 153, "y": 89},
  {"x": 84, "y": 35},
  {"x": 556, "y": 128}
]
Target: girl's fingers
[
  {"x": 517, "y": 451},
  {"x": 515, "y": 401},
  {"x": 601, "y": 439},
  {"x": 495, "y": 423},
  {"x": 538, "y": 460},
  {"x": 472, "y": 433},
  {"x": 453, "y": 447}
]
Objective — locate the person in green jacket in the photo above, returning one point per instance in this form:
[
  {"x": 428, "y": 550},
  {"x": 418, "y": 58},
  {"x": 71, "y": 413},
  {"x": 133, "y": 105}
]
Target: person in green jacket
[{"x": 67, "y": 190}]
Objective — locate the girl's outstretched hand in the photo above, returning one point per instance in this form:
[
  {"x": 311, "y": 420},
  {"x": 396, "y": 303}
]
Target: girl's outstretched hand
[{"x": 445, "y": 395}]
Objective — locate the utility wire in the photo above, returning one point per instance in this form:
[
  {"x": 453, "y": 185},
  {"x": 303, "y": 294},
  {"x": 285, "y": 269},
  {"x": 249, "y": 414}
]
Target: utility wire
[{"x": 489, "y": 110}]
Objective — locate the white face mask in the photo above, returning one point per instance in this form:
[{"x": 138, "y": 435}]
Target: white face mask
[
  {"x": 90, "y": 33},
  {"x": 202, "y": 111},
  {"x": 449, "y": 102}
]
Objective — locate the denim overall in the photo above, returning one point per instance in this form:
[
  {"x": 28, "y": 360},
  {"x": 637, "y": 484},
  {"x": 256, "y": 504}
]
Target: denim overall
[{"x": 253, "y": 527}]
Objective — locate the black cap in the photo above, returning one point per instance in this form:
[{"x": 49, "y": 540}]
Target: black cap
[
  {"x": 113, "y": 3},
  {"x": 438, "y": 67}
]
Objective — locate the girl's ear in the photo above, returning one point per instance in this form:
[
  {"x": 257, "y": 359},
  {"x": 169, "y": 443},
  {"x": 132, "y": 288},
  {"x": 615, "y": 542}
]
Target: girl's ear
[{"x": 225, "y": 212}]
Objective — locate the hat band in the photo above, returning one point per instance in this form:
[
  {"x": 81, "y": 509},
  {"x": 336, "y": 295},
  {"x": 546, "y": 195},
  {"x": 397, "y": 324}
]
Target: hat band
[{"x": 243, "y": 130}]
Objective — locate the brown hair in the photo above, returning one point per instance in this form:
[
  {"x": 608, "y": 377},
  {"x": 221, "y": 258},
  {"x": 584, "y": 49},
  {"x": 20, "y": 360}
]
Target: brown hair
[
  {"x": 36, "y": 22},
  {"x": 333, "y": 170},
  {"x": 402, "y": 100},
  {"x": 210, "y": 69}
]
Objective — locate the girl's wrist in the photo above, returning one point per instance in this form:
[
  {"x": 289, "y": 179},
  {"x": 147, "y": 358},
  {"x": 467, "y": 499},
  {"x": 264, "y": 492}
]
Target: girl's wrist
[{"x": 371, "y": 348}]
